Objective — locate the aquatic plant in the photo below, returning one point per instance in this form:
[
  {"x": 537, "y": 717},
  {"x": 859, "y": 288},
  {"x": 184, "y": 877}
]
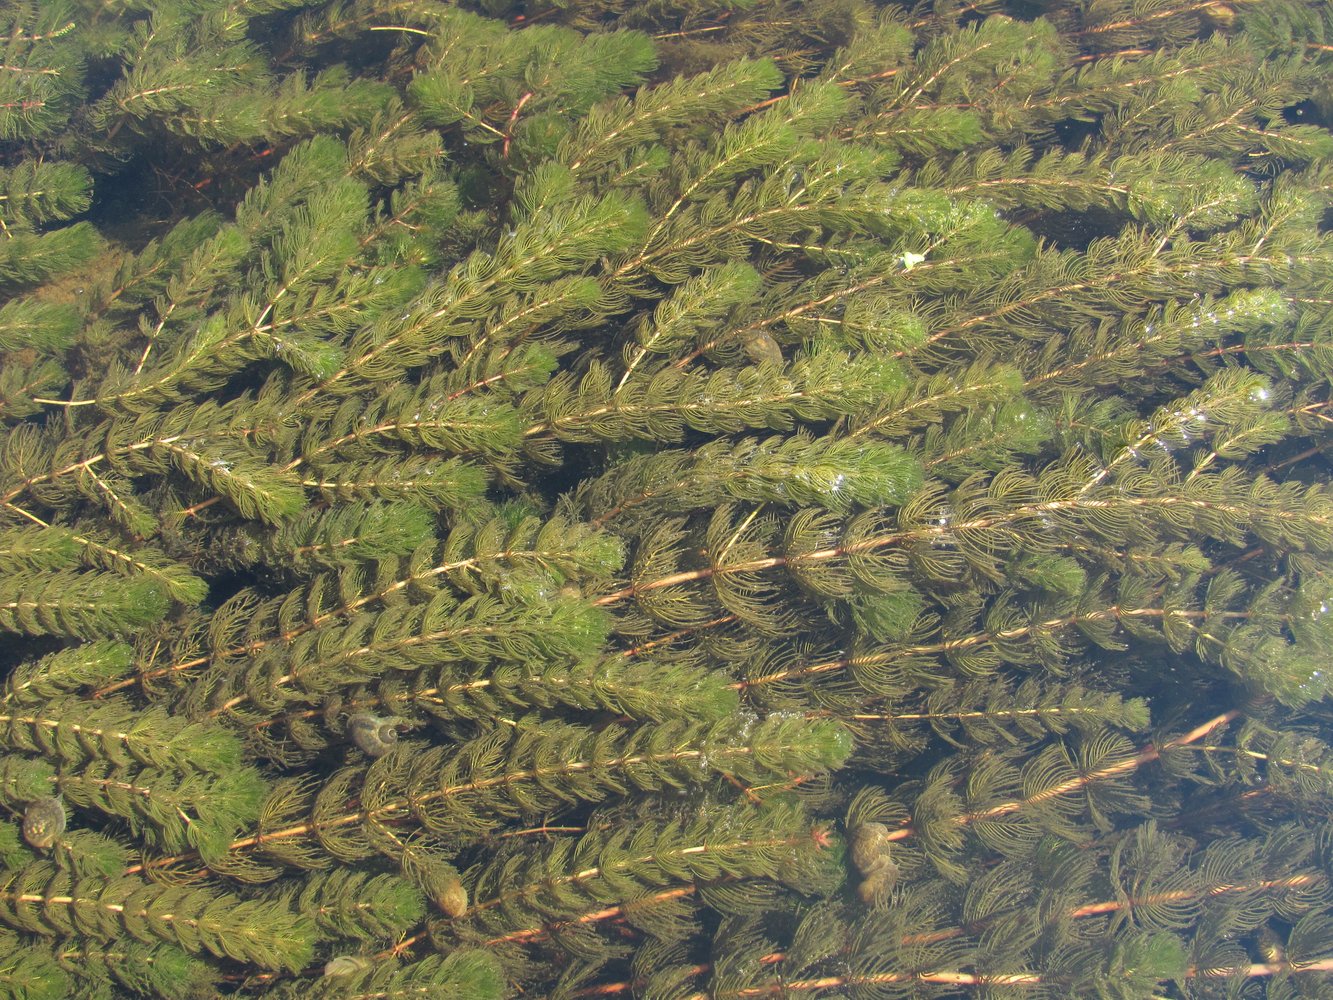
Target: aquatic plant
[{"x": 705, "y": 499}]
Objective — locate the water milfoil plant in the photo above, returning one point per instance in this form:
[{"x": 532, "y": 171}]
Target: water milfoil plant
[{"x": 709, "y": 500}]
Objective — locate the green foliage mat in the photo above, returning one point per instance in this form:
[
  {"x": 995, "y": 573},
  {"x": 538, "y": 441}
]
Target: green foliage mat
[{"x": 720, "y": 499}]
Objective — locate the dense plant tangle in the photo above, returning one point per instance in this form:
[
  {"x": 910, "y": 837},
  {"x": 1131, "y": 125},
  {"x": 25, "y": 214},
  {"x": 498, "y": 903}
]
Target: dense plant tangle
[{"x": 707, "y": 500}]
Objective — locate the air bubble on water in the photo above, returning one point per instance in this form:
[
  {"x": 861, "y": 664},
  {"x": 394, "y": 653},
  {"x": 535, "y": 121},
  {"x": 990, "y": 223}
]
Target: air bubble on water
[{"x": 747, "y": 719}]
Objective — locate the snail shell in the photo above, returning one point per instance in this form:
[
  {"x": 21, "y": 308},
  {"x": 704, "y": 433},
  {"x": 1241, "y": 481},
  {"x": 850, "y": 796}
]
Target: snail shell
[
  {"x": 345, "y": 965},
  {"x": 761, "y": 347},
  {"x": 876, "y": 889},
  {"x": 870, "y": 847},
  {"x": 452, "y": 899},
  {"x": 373, "y": 734},
  {"x": 1269, "y": 946},
  {"x": 872, "y": 854},
  {"x": 44, "y": 822}
]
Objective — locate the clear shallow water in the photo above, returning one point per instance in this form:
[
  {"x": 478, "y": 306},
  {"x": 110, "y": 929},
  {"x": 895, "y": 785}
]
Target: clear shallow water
[{"x": 797, "y": 534}]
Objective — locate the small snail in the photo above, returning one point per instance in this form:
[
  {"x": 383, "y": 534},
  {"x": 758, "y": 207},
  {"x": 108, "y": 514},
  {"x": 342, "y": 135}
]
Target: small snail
[
  {"x": 44, "y": 822},
  {"x": 1219, "y": 15},
  {"x": 1269, "y": 946},
  {"x": 345, "y": 965},
  {"x": 871, "y": 852},
  {"x": 452, "y": 899},
  {"x": 762, "y": 347},
  {"x": 869, "y": 842},
  {"x": 373, "y": 734},
  {"x": 877, "y": 887}
]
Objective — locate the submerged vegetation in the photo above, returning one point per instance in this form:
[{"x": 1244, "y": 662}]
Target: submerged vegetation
[{"x": 727, "y": 499}]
